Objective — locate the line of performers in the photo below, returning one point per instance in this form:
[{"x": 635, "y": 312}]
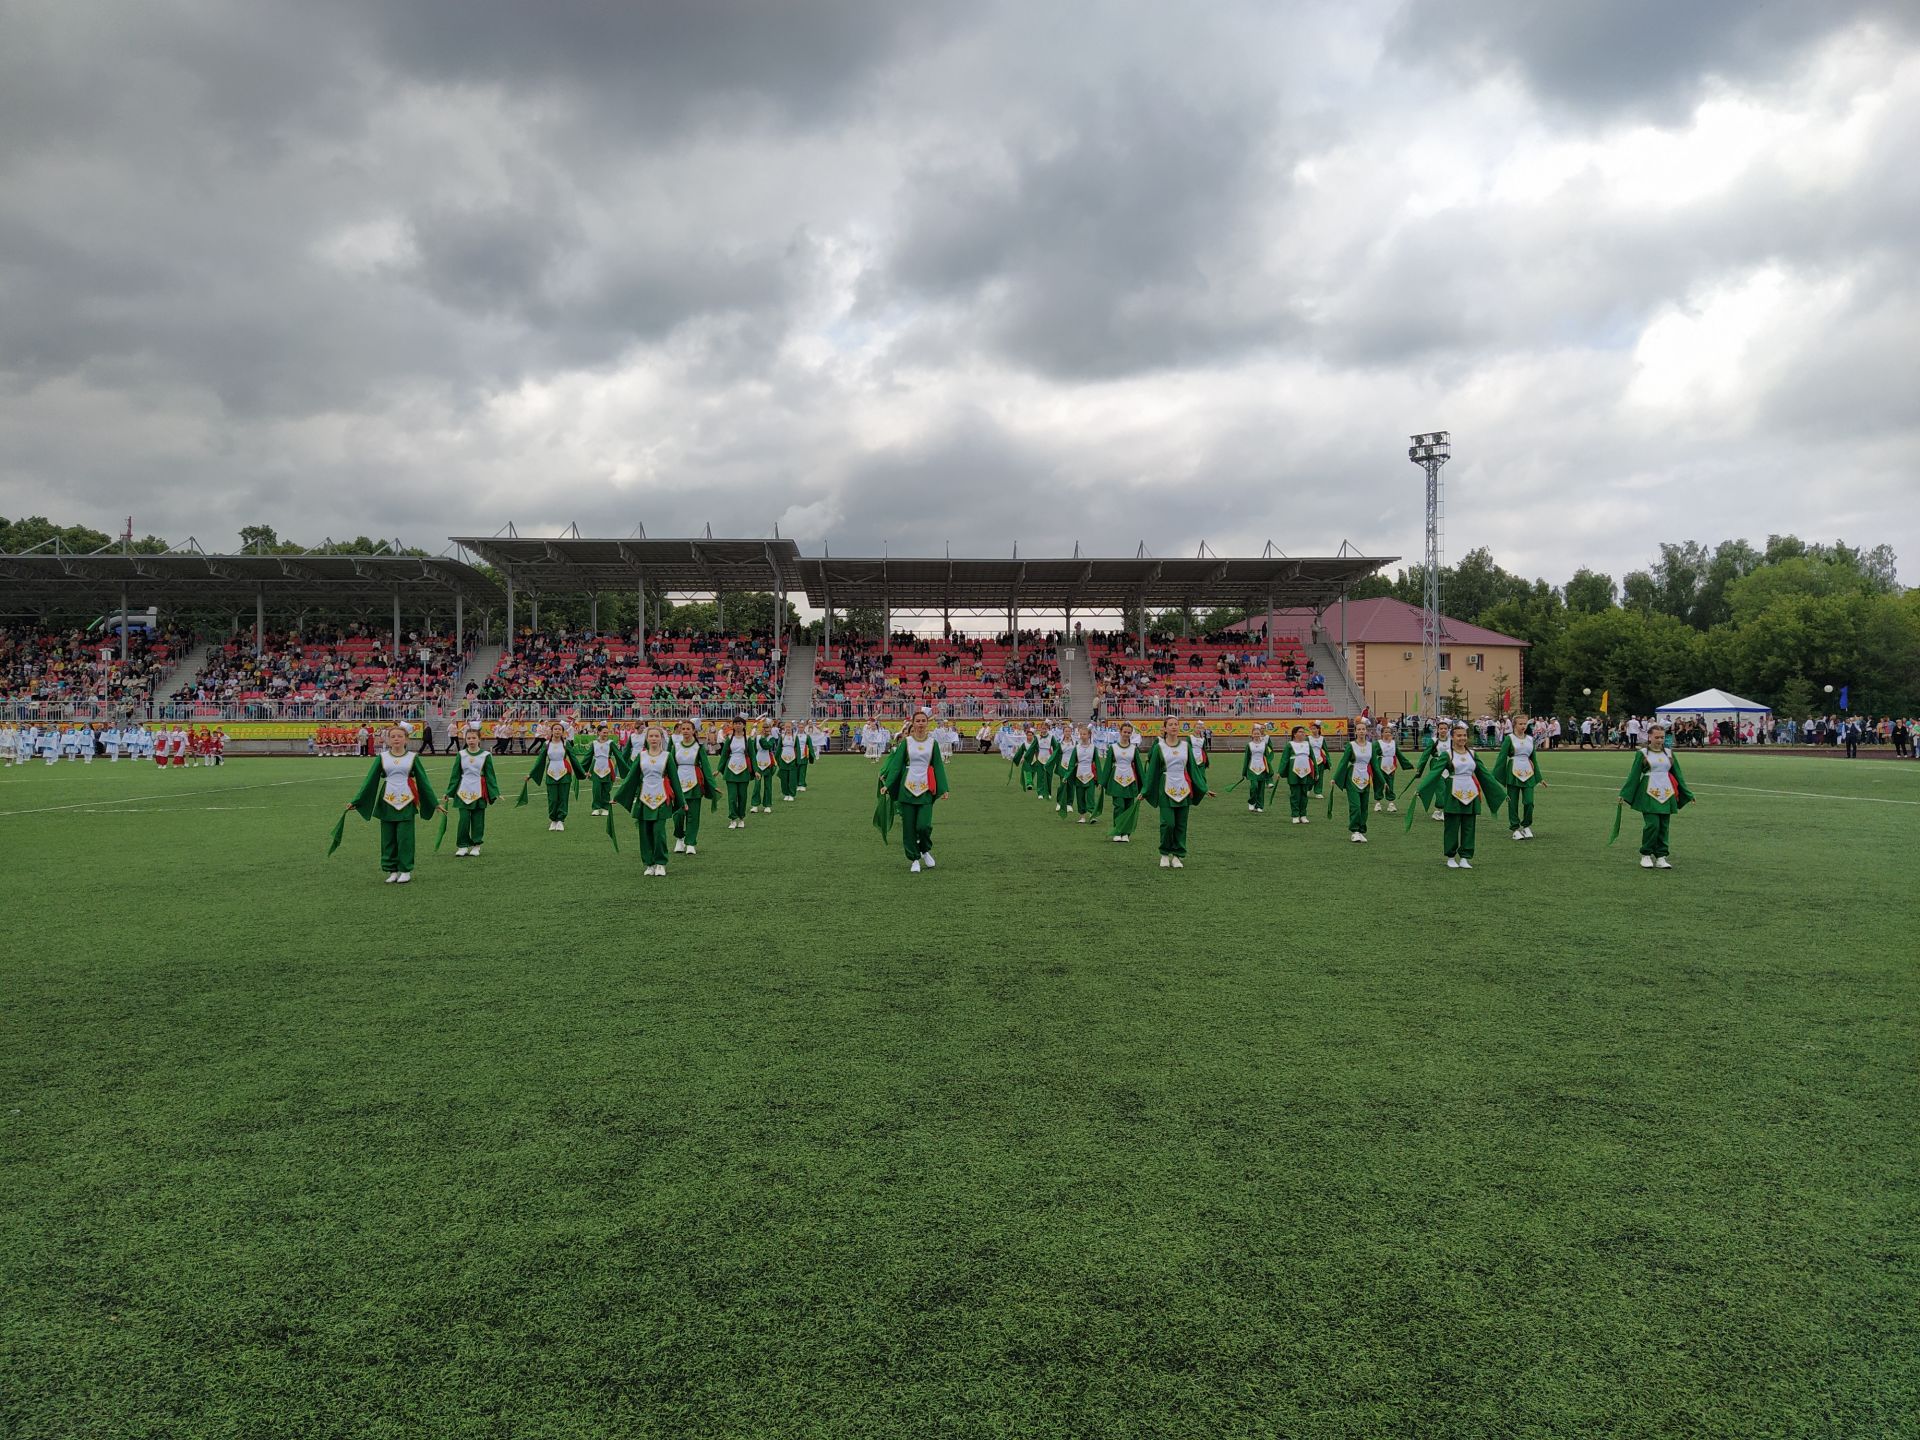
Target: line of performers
[
  {"x": 172, "y": 748},
  {"x": 660, "y": 779},
  {"x": 659, "y": 775}
]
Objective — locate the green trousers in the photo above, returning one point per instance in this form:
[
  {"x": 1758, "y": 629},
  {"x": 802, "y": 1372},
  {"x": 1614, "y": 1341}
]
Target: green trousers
[
  {"x": 1043, "y": 780},
  {"x": 1386, "y": 786},
  {"x": 1359, "y": 806},
  {"x": 763, "y": 788},
  {"x": 916, "y": 826},
  {"x": 473, "y": 825},
  {"x": 1298, "y": 787},
  {"x": 396, "y": 846},
  {"x": 789, "y": 771},
  {"x": 559, "y": 796},
  {"x": 1125, "y": 800},
  {"x": 738, "y": 788},
  {"x": 603, "y": 792},
  {"x": 1653, "y": 835},
  {"x": 1520, "y": 806},
  {"x": 1457, "y": 833},
  {"x": 1079, "y": 794},
  {"x": 800, "y": 773},
  {"x": 1173, "y": 829},
  {"x": 1259, "y": 788},
  {"x": 686, "y": 821},
  {"x": 656, "y": 828}
]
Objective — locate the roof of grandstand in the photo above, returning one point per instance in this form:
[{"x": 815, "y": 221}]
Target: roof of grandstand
[
  {"x": 571, "y": 566},
  {"x": 182, "y": 577}
]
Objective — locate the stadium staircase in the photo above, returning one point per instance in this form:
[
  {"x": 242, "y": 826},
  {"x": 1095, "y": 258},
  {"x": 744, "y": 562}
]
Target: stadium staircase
[
  {"x": 1342, "y": 693},
  {"x": 190, "y": 665},
  {"x": 1076, "y": 671},
  {"x": 796, "y": 692}
]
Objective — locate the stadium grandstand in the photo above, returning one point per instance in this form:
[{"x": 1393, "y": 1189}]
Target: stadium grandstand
[{"x": 287, "y": 641}]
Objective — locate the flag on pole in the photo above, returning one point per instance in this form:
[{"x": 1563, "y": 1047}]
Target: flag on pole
[{"x": 1603, "y": 700}]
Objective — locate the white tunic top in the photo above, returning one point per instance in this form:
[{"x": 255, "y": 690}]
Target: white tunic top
[
  {"x": 1302, "y": 756},
  {"x": 1257, "y": 755},
  {"x": 472, "y": 775},
  {"x": 397, "y": 771},
  {"x": 1362, "y": 763},
  {"x": 737, "y": 754},
  {"x": 1123, "y": 772},
  {"x": 686, "y": 759},
  {"x": 1522, "y": 757},
  {"x": 556, "y": 759},
  {"x": 1174, "y": 759},
  {"x": 603, "y": 757},
  {"x": 1659, "y": 774},
  {"x": 1389, "y": 757},
  {"x": 1083, "y": 763},
  {"x": 919, "y": 777},
  {"x": 1466, "y": 784},
  {"x": 653, "y": 778}
]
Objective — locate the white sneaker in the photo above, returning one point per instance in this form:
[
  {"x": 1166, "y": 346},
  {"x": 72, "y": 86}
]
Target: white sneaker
[
  {"x": 1306, "y": 819},
  {"x": 1662, "y": 864},
  {"x": 679, "y": 847},
  {"x": 692, "y": 851},
  {"x": 1436, "y": 815},
  {"x": 1392, "y": 809},
  {"x": 1466, "y": 864},
  {"x": 1249, "y": 809},
  {"x": 1354, "y": 837},
  {"x": 461, "y": 853},
  {"x": 915, "y": 867},
  {"x": 787, "y": 798},
  {"x": 1363, "y": 837},
  {"x": 559, "y": 824},
  {"x": 405, "y": 877},
  {"x": 474, "y": 853},
  {"x": 1126, "y": 839},
  {"x": 1452, "y": 864},
  {"x": 1376, "y": 807},
  {"x": 392, "y": 876},
  {"x": 1177, "y": 863},
  {"x": 1519, "y": 835},
  {"x": 1118, "y": 838},
  {"x": 926, "y": 857},
  {"x": 803, "y": 789},
  {"x": 1646, "y": 862},
  {"x": 1166, "y": 862},
  {"x": 1527, "y": 830}
]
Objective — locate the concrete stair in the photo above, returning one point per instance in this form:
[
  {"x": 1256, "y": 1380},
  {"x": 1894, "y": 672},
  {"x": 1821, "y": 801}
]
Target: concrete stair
[
  {"x": 1076, "y": 672},
  {"x": 1342, "y": 693},
  {"x": 796, "y": 690},
  {"x": 189, "y": 666}
]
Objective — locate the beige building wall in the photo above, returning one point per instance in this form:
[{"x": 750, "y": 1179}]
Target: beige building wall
[{"x": 1389, "y": 675}]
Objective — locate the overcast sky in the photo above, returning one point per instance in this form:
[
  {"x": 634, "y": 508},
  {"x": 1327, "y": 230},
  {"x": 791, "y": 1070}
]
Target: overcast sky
[{"x": 928, "y": 274}]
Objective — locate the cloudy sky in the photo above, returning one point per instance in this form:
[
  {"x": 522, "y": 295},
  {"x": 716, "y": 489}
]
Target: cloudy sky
[{"x": 940, "y": 273}]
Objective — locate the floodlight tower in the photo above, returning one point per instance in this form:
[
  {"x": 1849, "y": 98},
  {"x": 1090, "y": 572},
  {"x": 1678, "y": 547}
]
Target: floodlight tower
[{"x": 1430, "y": 452}]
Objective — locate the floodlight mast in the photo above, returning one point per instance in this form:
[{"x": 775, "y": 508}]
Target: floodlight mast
[{"x": 1431, "y": 451}]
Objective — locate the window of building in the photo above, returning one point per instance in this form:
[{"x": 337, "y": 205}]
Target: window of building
[{"x": 1446, "y": 661}]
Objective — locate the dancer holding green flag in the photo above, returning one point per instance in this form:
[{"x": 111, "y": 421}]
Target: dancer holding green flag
[
  {"x": 1658, "y": 791},
  {"x": 397, "y": 793},
  {"x": 472, "y": 789},
  {"x": 1454, "y": 787},
  {"x": 912, "y": 778}
]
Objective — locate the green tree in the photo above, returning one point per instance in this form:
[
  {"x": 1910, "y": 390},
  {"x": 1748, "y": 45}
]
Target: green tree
[{"x": 1589, "y": 592}]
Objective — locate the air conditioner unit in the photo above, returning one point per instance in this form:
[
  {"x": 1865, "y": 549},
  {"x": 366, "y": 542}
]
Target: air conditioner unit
[{"x": 1406, "y": 654}]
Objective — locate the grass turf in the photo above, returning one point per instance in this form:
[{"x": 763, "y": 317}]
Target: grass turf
[{"x": 1309, "y": 1139}]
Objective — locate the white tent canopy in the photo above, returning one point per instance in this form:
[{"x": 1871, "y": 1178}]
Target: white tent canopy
[{"x": 1714, "y": 702}]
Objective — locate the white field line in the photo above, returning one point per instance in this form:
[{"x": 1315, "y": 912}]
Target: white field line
[
  {"x": 1707, "y": 785},
  {"x": 184, "y": 795}
]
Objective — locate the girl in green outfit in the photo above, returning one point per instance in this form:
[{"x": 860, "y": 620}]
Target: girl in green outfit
[
  {"x": 803, "y": 756},
  {"x": 766, "y": 763},
  {"x": 912, "y": 778},
  {"x": 471, "y": 790},
  {"x": 1043, "y": 749},
  {"x": 1079, "y": 775},
  {"x": 651, "y": 794},
  {"x": 555, "y": 763},
  {"x": 601, "y": 760},
  {"x": 397, "y": 793},
  {"x": 736, "y": 771},
  {"x": 1302, "y": 773},
  {"x": 1454, "y": 786},
  {"x": 1358, "y": 773},
  {"x": 1120, "y": 781},
  {"x": 1175, "y": 782},
  {"x": 1256, "y": 770},
  {"x": 792, "y": 747},
  {"x": 693, "y": 776},
  {"x": 1518, "y": 768},
  {"x": 1656, "y": 789},
  {"x": 1430, "y": 756},
  {"x": 1389, "y": 771}
]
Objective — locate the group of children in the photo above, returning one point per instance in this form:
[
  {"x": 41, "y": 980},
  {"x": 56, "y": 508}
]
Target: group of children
[
  {"x": 661, "y": 778},
  {"x": 172, "y": 748},
  {"x": 659, "y": 775}
]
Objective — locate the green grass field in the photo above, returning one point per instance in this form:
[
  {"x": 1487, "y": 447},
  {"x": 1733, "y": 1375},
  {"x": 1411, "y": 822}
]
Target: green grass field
[{"x": 1309, "y": 1139}]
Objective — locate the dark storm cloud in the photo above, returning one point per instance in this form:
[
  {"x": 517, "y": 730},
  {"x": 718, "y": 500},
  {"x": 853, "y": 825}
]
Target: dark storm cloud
[{"x": 1646, "y": 57}]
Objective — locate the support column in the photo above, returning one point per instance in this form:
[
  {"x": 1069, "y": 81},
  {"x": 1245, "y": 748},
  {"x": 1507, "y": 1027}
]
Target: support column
[
  {"x": 593, "y": 613},
  {"x": 719, "y": 626},
  {"x": 459, "y": 621},
  {"x": 1013, "y": 624},
  {"x": 826, "y": 650},
  {"x": 396, "y": 625},
  {"x": 1143, "y": 627},
  {"x": 1269, "y": 627},
  {"x": 886, "y": 626},
  {"x": 123, "y": 624},
  {"x": 509, "y": 616},
  {"x": 259, "y": 623},
  {"x": 1343, "y": 634},
  {"x": 640, "y": 620},
  {"x": 536, "y": 611}
]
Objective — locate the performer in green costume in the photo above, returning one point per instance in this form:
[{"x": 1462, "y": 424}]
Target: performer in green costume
[
  {"x": 557, "y": 765},
  {"x": 1657, "y": 790},
  {"x": 651, "y": 794},
  {"x": 1431, "y": 754},
  {"x": 1043, "y": 753},
  {"x": 787, "y": 760},
  {"x": 600, "y": 758},
  {"x": 1389, "y": 770},
  {"x": 804, "y": 756},
  {"x": 912, "y": 778},
  {"x": 1120, "y": 780},
  {"x": 1517, "y": 767},
  {"x": 736, "y": 771},
  {"x": 1302, "y": 772},
  {"x": 694, "y": 778},
  {"x": 1357, "y": 773},
  {"x": 1078, "y": 776},
  {"x": 766, "y": 763},
  {"x": 1175, "y": 782},
  {"x": 1256, "y": 769},
  {"x": 397, "y": 793},
  {"x": 1454, "y": 786},
  {"x": 472, "y": 789}
]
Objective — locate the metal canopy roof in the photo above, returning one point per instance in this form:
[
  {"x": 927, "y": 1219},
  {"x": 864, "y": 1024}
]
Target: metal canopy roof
[
  {"x": 1050, "y": 584},
  {"x": 579, "y": 566},
  {"x": 184, "y": 577}
]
